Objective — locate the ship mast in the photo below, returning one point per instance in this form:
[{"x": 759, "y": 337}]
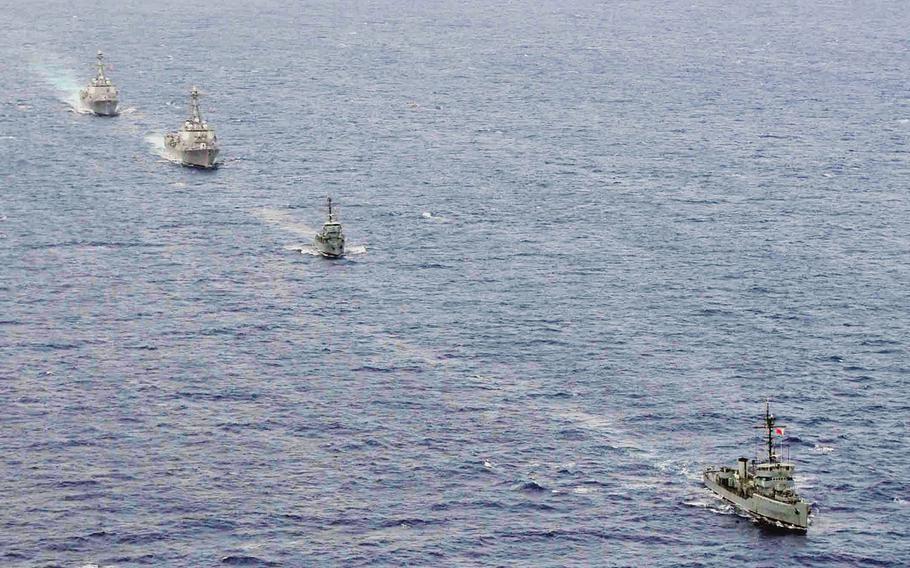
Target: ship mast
[
  {"x": 100, "y": 65},
  {"x": 772, "y": 426},
  {"x": 331, "y": 215},
  {"x": 769, "y": 424},
  {"x": 194, "y": 105}
]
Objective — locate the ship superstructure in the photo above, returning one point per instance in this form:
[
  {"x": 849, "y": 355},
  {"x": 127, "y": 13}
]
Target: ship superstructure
[{"x": 766, "y": 491}]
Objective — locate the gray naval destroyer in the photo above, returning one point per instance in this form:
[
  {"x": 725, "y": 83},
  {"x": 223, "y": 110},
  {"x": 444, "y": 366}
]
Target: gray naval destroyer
[
  {"x": 330, "y": 240},
  {"x": 763, "y": 490},
  {"x": 195, "y": 144},
  {"x": 100, "y": 96}
]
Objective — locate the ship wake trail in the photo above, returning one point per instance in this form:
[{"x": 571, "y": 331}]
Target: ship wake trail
[
  {"x": 156, "y": 141},
  {"x": 64, "y": 83},
  {"x": 680, "y": 474},
  {"x": 304, "y": 249},
  {"x": 283, "y": 220},
  {"x": 309, "y": 249},
  {"x": 714, "y": 504}
]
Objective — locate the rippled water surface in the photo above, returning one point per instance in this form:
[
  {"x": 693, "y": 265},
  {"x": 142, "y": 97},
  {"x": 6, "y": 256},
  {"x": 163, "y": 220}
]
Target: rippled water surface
[{"x": 593, "y": 237}]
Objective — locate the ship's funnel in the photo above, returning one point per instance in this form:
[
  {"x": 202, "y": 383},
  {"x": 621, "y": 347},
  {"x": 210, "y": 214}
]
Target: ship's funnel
[{"x": 743, "y": 468}]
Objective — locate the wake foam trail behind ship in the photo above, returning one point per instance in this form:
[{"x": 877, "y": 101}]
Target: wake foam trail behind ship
[
  {"x": 283, "y": 220},
  {"x": 64, "y": 82},
  {"x": 156, "y": 141}
]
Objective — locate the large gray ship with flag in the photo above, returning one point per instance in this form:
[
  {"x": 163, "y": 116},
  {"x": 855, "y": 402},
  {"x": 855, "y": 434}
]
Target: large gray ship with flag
[
  {"x": 100, "y": 96},
  {"x": 765, "y": 491},
  {"x": 195, "y": 144}
]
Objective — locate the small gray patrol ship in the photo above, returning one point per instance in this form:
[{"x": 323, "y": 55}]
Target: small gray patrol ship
[
  {"x": 195, "y": 144},
  {"x": 763, "y": 490},
  {"x": 100, "y": 96},
  {"x": 330, "y": 240}
]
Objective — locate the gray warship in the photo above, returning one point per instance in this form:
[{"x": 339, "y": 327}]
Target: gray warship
[
  {"x": 763, "y": 490},
  {"x": 330, "y": 240},
  {"x": 195, "y": 144},
  {"x": 100, "y": 96}
]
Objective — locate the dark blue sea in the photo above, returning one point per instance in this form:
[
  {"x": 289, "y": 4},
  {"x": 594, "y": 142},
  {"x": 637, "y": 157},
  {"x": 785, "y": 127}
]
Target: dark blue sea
[{"x": 589, "y": 240}]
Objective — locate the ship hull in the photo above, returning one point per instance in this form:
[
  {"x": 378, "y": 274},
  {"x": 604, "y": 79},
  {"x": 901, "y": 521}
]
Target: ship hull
[
  {"x": 790, "y": 516},
  {"x": 329, "y": 249},
  {"x": 330, "y": 253},
  {"x": 103, "y": 108},
  {"x": 201, "y": 158}
]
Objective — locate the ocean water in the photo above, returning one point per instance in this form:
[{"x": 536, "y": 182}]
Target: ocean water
[{"x": 593, "y": 238}]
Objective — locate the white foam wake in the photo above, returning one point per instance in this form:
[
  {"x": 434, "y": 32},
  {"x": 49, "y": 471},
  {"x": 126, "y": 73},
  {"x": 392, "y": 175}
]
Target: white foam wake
[
  {"x": 156, "y": 141},
  {"x": 431, "y": 217},
  {"x": 64, "y": 83},
  {"x": 282, "y": 220},
  {"x": 311, "y": 250},
  {"x": 712, "y": 503}
]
